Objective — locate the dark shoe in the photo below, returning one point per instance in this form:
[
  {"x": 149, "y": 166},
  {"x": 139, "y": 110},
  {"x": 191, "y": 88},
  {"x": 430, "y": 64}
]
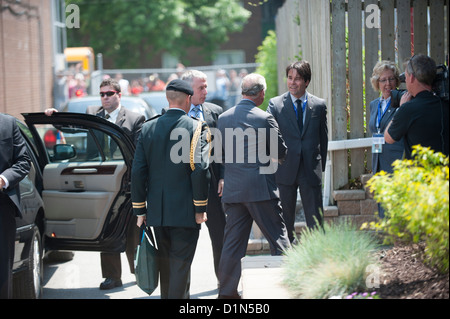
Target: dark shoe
[
  {"x": 110, "y": 283},
  {"x": 237, "y": 296}
]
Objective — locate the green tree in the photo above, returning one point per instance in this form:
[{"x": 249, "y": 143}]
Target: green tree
[{"x": 133, "y": 31}]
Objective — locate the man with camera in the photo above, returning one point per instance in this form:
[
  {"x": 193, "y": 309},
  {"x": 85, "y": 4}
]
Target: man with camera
[{"x": 423, "y": 116}]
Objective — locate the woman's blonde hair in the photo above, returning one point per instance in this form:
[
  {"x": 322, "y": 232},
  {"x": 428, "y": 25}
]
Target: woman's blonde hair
[{"x": 379, "y": 68}]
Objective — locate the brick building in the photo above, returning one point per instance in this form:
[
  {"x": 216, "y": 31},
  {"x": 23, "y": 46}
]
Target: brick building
[
  {"x": 26, "y": 56},
  {"x": 32, "y": 42}
]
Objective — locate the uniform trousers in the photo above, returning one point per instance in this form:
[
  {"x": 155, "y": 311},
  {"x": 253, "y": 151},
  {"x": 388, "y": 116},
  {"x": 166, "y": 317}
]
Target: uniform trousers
[
  {"x": 176, "y": 249},
  {"x": 239, "y": 219},
  {"x": 7, "y": 238}
]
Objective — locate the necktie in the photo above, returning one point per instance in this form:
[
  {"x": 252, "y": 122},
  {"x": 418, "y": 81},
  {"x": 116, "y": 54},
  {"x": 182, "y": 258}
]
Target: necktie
[
  {"x": 196, "y": 110},
  {"x": 106, "y": 149},
  {"x": 299, "y": 115}
]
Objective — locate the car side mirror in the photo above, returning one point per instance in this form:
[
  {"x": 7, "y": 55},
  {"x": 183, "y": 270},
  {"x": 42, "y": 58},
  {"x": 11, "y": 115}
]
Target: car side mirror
[{"x": 63, "y": 152}]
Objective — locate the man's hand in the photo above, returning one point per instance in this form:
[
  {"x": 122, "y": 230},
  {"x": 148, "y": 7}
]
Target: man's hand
[
  {"x": 405, "y": 98},
  {"x": 141, "y": 220},
  {"x": 2, "y": 183},
  {"x": 220, "y": 187},
  {"x": 49, "y": 112},
  {"x": 200, "y": 218}
]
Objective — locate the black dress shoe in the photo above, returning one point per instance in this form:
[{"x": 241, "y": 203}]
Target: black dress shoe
[
  {"x": 110, "y": 283},
  {"x": 237, "y": 296}
]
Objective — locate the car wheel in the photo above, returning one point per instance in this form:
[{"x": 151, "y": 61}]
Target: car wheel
[{"x": 28, "y": 285}]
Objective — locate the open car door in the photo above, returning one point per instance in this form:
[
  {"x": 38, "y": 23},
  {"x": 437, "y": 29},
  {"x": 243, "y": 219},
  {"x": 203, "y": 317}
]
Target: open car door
[{"x": 86, "y": 170}]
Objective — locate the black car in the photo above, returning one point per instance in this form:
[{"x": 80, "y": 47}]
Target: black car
[{"x": 76, "y": 196}]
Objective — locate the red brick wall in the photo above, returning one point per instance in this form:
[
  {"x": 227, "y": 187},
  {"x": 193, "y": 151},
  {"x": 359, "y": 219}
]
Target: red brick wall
[{"x": 26, "y": 80}]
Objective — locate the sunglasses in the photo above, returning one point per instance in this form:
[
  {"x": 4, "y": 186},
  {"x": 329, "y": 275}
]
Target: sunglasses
[
  {"x": 109, "y": 93},
  {"x": 411, "y": 64}
]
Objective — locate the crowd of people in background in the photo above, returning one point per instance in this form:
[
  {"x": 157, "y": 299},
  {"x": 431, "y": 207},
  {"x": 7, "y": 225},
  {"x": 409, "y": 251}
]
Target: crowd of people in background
[{"x": 74, "y": 83}]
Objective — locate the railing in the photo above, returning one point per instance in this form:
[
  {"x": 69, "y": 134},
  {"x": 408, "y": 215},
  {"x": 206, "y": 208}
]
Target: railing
[
  {"x": 343, "y": 40},
  {"x": 358, "y": 143}
]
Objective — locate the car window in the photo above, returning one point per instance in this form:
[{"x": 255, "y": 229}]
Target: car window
[
  {"x": 28, "y": 135},
  {"x": 89, "y": 144}
]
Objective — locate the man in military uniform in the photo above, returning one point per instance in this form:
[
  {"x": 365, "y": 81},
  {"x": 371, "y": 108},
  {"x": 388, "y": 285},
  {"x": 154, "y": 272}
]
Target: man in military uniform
[{"x": 169, "y": 186}]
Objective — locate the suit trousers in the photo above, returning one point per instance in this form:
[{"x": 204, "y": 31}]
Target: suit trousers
[
  {"x": 311, "y": 196},
  {"x": 176, "y": 249},
  {"x": 110, "y": 262},
  {"x": 7, "y": 238},
  {"x": 239, "y": 219},
  {"x": 216, "y": 225}
]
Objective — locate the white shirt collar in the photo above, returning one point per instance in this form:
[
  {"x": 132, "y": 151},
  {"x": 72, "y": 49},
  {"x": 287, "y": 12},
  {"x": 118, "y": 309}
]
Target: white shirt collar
[
  {"x": 302, "y": 98},
  {"x": 384, "y": 103},
  {"x": 192, "y": 113},
  {"x": 113, "y": 115}
]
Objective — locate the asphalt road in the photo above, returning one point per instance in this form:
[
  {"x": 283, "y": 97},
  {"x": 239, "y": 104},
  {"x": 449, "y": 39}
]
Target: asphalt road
[{"x": 80, "y": 278}]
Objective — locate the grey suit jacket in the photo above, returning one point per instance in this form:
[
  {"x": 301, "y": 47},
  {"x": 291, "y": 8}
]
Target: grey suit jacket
[
  {"x": 244, "y": 181},
  {"x": 211, "y": 114},
  {"x": 14, "y": 159},
  {"x": 310, "y": 147},
  {"x": 391, "y": 152},
  {"x": 131, "y": 122}
]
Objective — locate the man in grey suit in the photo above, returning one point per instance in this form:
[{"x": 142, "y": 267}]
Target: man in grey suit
[
  {"x": 14, "y": 166},
  {"x": 209, "y": 113},
  {"x": 302, "y": 118},
  {"x": 250, "y": 192}
]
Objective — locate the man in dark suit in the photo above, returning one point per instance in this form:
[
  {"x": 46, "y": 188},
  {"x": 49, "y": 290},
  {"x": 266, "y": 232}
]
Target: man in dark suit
[
  {"x": 302, "y": 118},
  {"x": 131, "y": 122},
  {"x": 209, "y": 113},
  {"x": 14, "y": 166},
  {"x": 250, "y": 193},
  {"x": 169, "y": 186}
]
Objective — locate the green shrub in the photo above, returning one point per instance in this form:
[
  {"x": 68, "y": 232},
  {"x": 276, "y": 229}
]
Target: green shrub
[
  {"x": 267, "y": 59},
  {"x": 329, "y": 262},
  {"x": 415, "y": 197}
]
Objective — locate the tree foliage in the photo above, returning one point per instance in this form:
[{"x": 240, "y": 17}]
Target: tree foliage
[
  {"x": 134, "y": 31},
  {"x": 267, "y": 59}
]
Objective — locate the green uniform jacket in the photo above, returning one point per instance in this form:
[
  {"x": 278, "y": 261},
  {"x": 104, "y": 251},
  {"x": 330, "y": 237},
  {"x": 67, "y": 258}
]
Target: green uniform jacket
[{"x": 170, "y": 177}]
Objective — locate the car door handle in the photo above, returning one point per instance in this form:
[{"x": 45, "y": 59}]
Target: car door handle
[{"x": 84, "y": 171}]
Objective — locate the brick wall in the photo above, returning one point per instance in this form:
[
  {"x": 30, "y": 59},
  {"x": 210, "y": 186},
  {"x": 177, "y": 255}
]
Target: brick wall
[{"x": 26, "y": 56}]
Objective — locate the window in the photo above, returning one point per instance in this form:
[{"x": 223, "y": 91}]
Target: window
[
  {"x": 89, "y": 144},
  {"x": 229, "y": 57}
]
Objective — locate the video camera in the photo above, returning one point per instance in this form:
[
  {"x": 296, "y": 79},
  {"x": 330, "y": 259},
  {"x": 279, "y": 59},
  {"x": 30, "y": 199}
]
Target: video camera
[{"x": 440, "y": 83}]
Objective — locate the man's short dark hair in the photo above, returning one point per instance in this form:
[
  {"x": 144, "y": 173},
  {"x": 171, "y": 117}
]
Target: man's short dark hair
[
  {"x": 111, "y": 82},
  {"x": 303, "y": 69},
  {"x": 423, "y": 68}
]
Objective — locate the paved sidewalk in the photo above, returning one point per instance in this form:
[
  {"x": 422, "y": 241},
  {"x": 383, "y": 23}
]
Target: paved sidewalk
[{"x": 80, "y": 278}]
